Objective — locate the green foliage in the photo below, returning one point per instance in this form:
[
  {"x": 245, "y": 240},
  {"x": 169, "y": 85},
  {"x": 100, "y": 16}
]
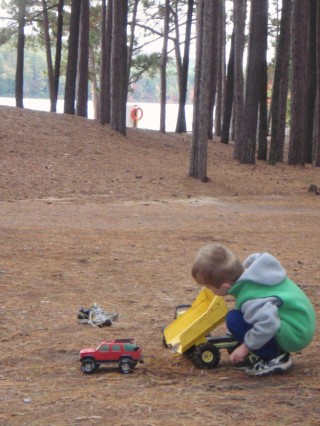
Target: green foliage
[
  {"x": 35, "y": 78},
  {"x": 6, "y": 34},
  {"x": 144, "y": 80},
  {"x": 143, "y": 63},
  {"x": 147, "y": 88},
  {"x": 7, "y": 73}
]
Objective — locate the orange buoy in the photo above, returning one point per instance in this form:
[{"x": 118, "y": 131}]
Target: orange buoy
[{"x": 136, "y": 114}]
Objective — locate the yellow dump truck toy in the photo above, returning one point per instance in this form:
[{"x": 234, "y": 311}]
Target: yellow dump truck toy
[{"x": 189, "y": 333}]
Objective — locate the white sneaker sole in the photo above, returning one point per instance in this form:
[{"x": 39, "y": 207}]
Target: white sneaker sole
[{"x": 274, "y": 369}]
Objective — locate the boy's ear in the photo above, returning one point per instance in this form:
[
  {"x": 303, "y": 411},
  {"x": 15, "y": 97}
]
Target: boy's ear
[{"x": 226, "y": 286}]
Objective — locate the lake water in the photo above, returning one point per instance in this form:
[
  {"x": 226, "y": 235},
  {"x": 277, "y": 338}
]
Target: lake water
[{"x": 150, "y": 119}]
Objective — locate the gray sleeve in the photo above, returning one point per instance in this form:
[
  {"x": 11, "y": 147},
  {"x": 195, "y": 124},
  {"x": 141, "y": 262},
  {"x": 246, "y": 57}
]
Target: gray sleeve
[{"x": 263, "y": 315}]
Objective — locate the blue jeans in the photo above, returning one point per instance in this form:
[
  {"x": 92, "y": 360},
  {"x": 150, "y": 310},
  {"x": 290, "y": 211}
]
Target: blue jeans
[{"x": 238, "y": 327}]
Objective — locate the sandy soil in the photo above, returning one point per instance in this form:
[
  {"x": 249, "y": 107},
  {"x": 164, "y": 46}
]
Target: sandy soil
[{"x": 90, "y": 216}]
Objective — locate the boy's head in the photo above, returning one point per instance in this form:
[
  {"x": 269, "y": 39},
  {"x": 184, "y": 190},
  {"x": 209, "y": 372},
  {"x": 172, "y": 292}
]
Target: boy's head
[{"x": 216, "y": 267}]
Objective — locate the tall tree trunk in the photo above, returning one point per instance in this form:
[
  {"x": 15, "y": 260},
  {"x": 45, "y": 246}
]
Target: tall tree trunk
[
  {"x": 280, "y": 85},
  {"x": 263, "y": 106},
  {"x": 83, "y": 62},
  {"x": 183, "y": 82},
  {"x": 256, "y": 54},
  {"x": 238, "y": 110},
  {"x": 57, "y": 64},
  {"x": 317, "y": 120},
  {"x": 194, "y": 154},
  {"x": 214, "y": 64},
  {"x": 298, "y": 131},
  {"x": 174, "y": 16},
  {"x": 119, "y": 66},
  {"x": 94, "y": 83},
  {"x": 221, "y": 71},
  {"x": 164, "y": 59},
  {"x": 312, "y": 80},
  {"x": 132, "y": 29},
  {"x": 71, "y": 74},
  {"x": 49, "y": 57},
  {"x": 228, "y": 96},
  {"x": 105, "y": 76},
  {"x": 20, "y": 55},
  {"x": 198, "y": 158}
]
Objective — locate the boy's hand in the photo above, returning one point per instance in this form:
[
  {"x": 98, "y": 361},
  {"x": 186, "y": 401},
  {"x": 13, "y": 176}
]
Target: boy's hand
[{"x": 239, "y": 354}]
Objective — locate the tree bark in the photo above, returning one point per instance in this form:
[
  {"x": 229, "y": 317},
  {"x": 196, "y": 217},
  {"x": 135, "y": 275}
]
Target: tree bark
[
  {"x": 48, "y": 55},
  {"x": 164, "y": 59},
  {"x": 94, "y": 83},
  {"x": 213, "y": 62},
  {"x": 238, "y": 111},
  {"x": 256, "y": 54},
  {"x": 83, "y": 62},
  {"x": 298, "y": 131},
  {"x": 20, "y": 54},
  {"x": 71, "y": 74},
  {"x": 228, "y": 96},
  {"x": 280, "y": 85},
  {"x": 119, "y": 68},
  {"x": 132, "y": 29},
  {"x": 194, "y": 154},
  {"x": 183, "y": 82},
  {"x": 198, "y": 158},
  {"x": 105, "y": 76},
  {"x": 317, "y": 119},
  {"x": 57, "y": 63},
  {"x": 263, "y": 106},
  {"x": 312, "y": 80},
  {"x": 221, "y": 71}
]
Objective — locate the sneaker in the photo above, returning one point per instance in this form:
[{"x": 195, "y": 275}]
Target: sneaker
[
  {"x": 99, "y": 318},
  {"x": 83, "y": 316},
  {"x": 248, "y": 362},
  {"x": 276, "y": 365},
  {"x": 96, "y": 316}
]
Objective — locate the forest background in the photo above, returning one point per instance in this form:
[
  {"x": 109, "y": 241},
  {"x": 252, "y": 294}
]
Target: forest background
[
  {"x": 238, "y": 92},
  {"x": 147, "y": 89},
  {"x": 36, "y": 85}
]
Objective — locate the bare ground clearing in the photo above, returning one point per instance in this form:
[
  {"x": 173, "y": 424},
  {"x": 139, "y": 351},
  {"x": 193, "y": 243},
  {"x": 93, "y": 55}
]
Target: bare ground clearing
[{"x": 89, "y": 216}]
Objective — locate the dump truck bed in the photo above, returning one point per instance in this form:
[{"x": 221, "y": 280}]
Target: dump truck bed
[{"x": 191, "y": 327}]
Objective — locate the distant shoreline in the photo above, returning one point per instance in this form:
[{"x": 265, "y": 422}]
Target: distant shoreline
[{"x": 150, "y": 119}]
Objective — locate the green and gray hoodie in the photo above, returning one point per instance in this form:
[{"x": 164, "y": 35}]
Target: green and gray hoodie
[{"x": 273, "y": 304}]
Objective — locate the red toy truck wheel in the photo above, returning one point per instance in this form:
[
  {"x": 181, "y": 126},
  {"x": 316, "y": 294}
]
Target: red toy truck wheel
[
  {"x": 89, "y": 366},
  {"x": 126, "y": 365}
]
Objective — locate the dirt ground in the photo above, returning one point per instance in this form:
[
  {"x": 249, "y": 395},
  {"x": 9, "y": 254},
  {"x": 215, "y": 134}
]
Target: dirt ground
[{"x": 90, "y": 216}]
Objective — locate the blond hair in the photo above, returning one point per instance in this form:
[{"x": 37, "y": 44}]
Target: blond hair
[{"x": 215, "y": 265}]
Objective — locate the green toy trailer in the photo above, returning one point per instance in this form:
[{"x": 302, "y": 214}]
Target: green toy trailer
[{"x": 189, "y": 333}]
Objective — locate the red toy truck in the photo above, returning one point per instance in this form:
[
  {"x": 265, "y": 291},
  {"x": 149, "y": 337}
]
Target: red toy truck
[{"x": 125, "y": 352}]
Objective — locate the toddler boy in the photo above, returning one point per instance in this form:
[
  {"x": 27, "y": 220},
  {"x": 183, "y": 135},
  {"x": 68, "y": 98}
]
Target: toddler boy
[{"x": 273, "y": 316}]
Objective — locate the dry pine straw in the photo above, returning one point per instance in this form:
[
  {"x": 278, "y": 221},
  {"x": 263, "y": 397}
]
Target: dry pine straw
[{"x": 88, "y": 215}]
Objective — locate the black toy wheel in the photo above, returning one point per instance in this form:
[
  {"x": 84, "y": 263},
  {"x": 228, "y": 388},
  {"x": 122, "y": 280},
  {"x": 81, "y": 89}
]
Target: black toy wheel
[
  {"x": 126, "y": 365},
  {"x": 89, "y": 366},
  {"x": 189, "y": 353},
  {"x": 206, "y": 355}
]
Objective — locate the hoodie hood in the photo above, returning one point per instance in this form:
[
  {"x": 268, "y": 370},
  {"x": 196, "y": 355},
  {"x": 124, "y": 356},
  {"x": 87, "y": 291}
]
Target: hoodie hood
[{"x": 263, "y": 269}]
